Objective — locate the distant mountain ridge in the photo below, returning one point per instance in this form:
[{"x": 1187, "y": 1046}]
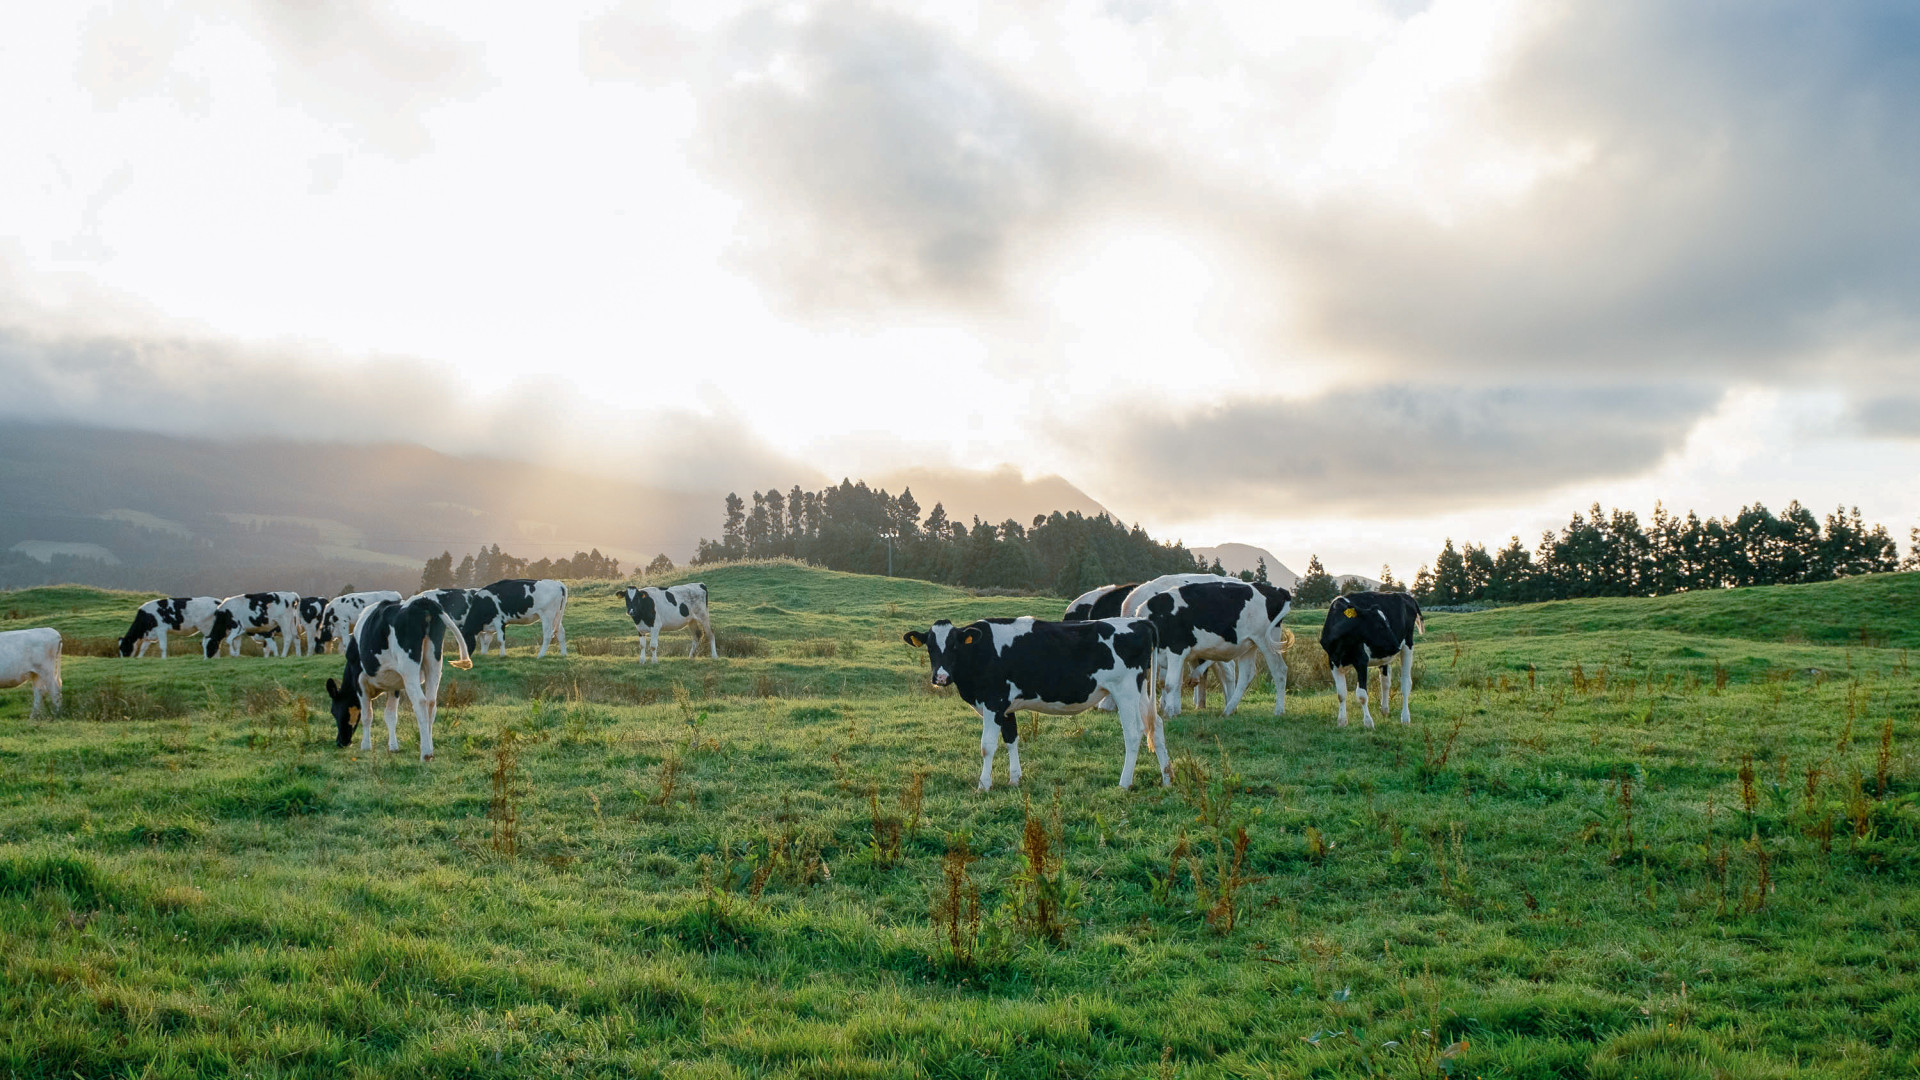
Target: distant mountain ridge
[{"x": 1237, "y": 557}]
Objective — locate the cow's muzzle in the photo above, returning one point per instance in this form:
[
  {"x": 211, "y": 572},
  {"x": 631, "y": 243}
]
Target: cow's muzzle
[{"x": 940, "y": 678}]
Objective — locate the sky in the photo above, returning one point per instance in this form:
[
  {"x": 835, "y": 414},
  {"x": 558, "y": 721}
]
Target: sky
[{"x": 1344, "y": 279}]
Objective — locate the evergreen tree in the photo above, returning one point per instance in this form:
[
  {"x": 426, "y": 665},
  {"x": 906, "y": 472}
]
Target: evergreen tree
[
  {"x": 1216, "y": 568},
  {"x": 1912, "y": 561},
  {"x": 660, "y": 565},
  {"x": 1260, "y": 570},
  {"x": 1388, "y": 583},
  {"x": 1423, "y": 585},
  {"x": 1450, "y": 585},
  {"x": 463, "y": 577},
  {"x": 1316, "y": 585},
  {"x": 438, "y": 573},
  {"x": 733, "y": 533}
]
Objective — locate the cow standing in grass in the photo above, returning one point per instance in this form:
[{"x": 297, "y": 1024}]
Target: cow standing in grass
[
  {"x": 395, "y": 649},
  {"x": 259, "y": 614},
  {"x": 1004, "y": 666},
  {"x": 1101, "y": 603},
  {"x": 516, "y": 601},
  {"x": 178, "y": 614},
  {"x": 1134, "y": 606},
  {"x": 1372, "y": 627},
  {"x": 1224, "y": 621},
  {"x": 32, "y": 656},
  {"x": 656, "y": 611}
]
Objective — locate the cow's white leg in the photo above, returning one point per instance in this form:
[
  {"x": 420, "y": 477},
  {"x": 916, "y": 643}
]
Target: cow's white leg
[
  {"x": 1360, "y": 691},
  {"x": 33, "y": 711},
  {"x": 560, "y": 628},
  {"x": 546, "y": 636},
  {"x": 1340, "y": 690},
  {"x": 422, "y": 715},
  {"x": 693, "y": 631},
  {"x": 713, "y": 644},
  {"x": 1130, "y": 730},
  {"x": 1175, "y": 682},
  {"x": 1013, "y": 750},
  {"x": 1245, "y": 671},
  {"x": 1406, "y": 684},
  {"x": 366, "y": 721},
  {"x": 989, "y": 746},
  {"x": 1386, "y": 687},
  {"x": 653, "y": 643},
  {"x": 1150, "y": 721},
  {"x": 1200, "y": 685},
  {"x": 393, "y": 721}
]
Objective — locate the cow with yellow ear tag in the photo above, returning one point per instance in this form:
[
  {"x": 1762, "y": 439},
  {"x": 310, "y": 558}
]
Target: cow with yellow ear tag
[
  {"x": 1367, "y": 628},
  {"x": 1003, "y": 666}
]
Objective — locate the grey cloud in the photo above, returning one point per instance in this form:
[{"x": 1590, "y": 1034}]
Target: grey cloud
[
  {"x": 886, "y": 165},
  {"x": 1392, "y": 450},
  {"x": 1890, "y": 416},
  {"x": 187, "y": 387}
]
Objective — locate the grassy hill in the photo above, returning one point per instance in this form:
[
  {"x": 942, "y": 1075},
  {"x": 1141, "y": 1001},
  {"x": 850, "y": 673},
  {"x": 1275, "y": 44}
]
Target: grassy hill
[{"x": 740, "y": 867}]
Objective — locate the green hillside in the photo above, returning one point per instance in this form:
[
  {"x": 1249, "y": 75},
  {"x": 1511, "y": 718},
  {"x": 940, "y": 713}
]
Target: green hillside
[{"x": 738, "y": 867}]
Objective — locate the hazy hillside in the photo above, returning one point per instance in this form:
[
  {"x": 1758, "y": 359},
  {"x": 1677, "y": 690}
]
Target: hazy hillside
[{"x": 992, "y": 496}]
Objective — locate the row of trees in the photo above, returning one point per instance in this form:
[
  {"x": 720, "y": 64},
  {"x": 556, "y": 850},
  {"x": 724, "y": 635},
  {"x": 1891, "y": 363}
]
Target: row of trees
[
  {"x": 856, "y": 528},
  {"x": 1609, "y": 553},
  {"x": 490, "y": 564}
]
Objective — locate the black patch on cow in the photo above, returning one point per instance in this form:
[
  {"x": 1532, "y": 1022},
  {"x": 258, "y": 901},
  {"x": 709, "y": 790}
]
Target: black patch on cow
[
  {"x": 514, "y": 595},
  {"x": 1108, "y": 606},
  {"x": 224, "y": 623},
  {"x": 455, "y": 601},
  {"x": 1277, "y": 598},
  {"x": 311, "y": 607},
  {"x": 685, "y": 611},
  {"x": 143, "y": 624},
  {"x": 1213, "y": 606},
  {"x": 640, "y": 607},
  {"x": 1382, "y": 623}
]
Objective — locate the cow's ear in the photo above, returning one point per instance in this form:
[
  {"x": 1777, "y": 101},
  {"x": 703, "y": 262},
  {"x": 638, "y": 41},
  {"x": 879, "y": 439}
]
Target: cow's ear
[
  {"x": 915, "y": 638},
  {"x": 333, "y": 689},
  {"x": 969, "y": 636}
]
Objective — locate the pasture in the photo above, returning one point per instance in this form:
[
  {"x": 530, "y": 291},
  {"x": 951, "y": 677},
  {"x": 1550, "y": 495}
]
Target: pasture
[{"x": 1622, "y": 838}]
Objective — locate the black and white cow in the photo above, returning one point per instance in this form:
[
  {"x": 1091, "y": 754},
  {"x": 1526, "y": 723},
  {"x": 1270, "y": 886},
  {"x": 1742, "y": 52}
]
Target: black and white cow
[
  {"x": 515, "y": 601},
  {"x": 1100, "y": 603},
  {"x": 1366, "y": 628},
  {"x": 395, "y": 648},
  {"x": 177, "y": 614},
  {"x": 313, "y": 610},
  {"x": 1002, "y": 666},
  {"x": 252, "y": 614},
  {"x": 1221, "y": 620},
  {"x": 337, "y": 617},
  {"x": 1133, "y": 606},
  {"x": 656, "y": 611},
  {"x": 32, "y": 656}
]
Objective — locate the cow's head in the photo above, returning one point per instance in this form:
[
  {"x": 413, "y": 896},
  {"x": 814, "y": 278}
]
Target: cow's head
[
  {"x": 346, "y": 710},
  {"x": 640, "y": 606},
  {"x": 143, "y": 624},
  {"x": 944, "y": 643},
  {"x": 224, "y": 623},
  {"x": 1349, "y": 623}
]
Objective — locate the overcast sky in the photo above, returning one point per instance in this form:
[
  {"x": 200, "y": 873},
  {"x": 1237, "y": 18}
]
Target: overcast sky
[{"x": 1346, "y": 278}]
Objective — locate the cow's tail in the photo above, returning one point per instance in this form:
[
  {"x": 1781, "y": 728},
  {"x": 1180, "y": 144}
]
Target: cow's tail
[
  {"x": 1286, "y": 639},
  {"x": 1150, "y": 712},
  {"x": 459, "y": 638}
]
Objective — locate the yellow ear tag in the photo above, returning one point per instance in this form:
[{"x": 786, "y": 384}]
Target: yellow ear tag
[{"x": 1350, "y": 613}]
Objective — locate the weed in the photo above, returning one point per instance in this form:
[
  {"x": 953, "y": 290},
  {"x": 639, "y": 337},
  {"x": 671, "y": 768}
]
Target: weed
[
  {"x": 1433, "y": 760},
  {"x": 669, "y": 779},
  {"x": 884, "y": 848},
  {"x": 956, "y": 906},
  {"x": 508, "y": 789},
  {"x": 913, "y": 800},
  {"x": 1042, "y": 897},
  {"x": 1763, "y": 873},
  {"x": 1883, "y": 763},
  {"x": 1749, "y": 791}
]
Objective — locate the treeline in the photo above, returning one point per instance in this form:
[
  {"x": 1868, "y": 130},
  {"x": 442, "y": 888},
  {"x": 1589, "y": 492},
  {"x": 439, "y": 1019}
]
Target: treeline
[
  {"x": 1609, "y": 553},
  {"x": 489, "y": 565},
  {"x": 856, "y": 528}
]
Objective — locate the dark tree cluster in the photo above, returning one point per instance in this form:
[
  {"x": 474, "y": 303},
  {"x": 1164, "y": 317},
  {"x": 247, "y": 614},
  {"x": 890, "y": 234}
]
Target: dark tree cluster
[
  {"x": 489, "y": 565},
  {"x": 1606, "y": 553},
  {"x": 856, "y": 528}
]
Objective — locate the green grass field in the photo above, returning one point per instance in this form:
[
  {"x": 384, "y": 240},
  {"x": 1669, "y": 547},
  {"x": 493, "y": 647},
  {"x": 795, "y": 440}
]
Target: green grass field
[{"x": 727, "y": 868}]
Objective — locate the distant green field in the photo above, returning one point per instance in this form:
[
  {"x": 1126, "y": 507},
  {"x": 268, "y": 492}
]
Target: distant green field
[{"x": 719, "y": 867}]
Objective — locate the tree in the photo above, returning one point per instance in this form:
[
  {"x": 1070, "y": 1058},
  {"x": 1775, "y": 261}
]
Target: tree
[
  {"x": 1388, "y": 583},
  {"x": 1450, "y": 585},
  {"x": 660, "y": 565},
  {"x": 1423, "y": 585},
  {"x": 1260, "y": 570},
  {"x": 1316, "y": 585},
  {"x": 438, "y": 573},
  {"x": 1216, "y": 569},
  {"x": 733, "y": 532},
  {"x": 1912, "y": 561}
]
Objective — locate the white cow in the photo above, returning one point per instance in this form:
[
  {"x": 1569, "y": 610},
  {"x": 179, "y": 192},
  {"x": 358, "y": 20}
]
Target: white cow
[
  {"x": 32, "y": 654},
  {"x": 155, "y": 618},
  {"x": 656, "y": 611},
  {"x": 337, "y": 617},
  {"x": 396, "y": 648},
  {"x": 258, "y": 614}
]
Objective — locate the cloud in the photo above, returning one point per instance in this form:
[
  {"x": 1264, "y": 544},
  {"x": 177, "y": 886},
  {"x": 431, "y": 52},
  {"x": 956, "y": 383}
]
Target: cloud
[
  {"x": 1396, "y": 450},
  {"x": 885, "y": 165},
  {"x": 1888, "y": 416},
  {"x": 184, "y": 386}
]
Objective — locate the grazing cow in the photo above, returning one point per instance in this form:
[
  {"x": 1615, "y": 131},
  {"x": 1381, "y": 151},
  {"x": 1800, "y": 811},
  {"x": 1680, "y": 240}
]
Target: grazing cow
[
  {"x": 337, "y": 617},
  {"x": 1372, "y": 627},
  {"x": 395, "y": 648},
  {"x": 179, "y": 614},
  {"x": 32, "y": 654},
  {"x": 516, "y": 601},
  {"x": 1100, "y": 603},
  {"x": 1134, "y": 606},
  {"x": 257, "y": 614},
  {"x": 1221, "y": 620},
  {"x": 1001, "y": 666},
  {"x": 657, "y": 611}
]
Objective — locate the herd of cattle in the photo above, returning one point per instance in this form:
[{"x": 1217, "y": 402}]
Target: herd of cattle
[{"x": 1129, "y": 648}]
